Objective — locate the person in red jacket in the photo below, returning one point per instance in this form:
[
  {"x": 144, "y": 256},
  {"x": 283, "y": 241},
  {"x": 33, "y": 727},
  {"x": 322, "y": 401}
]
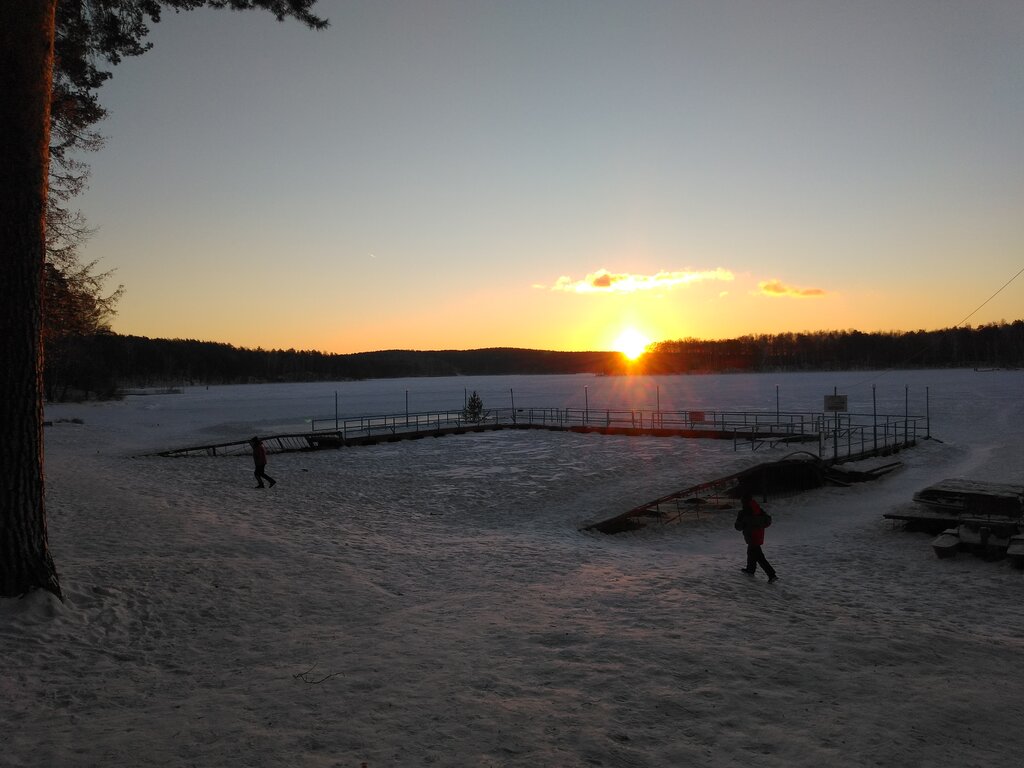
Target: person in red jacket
[
  {"x": 259, "y": 458},
  {"x": 752, "y": 520}
]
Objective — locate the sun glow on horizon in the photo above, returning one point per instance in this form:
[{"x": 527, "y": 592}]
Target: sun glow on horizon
[{"x": 631, "y": 343}]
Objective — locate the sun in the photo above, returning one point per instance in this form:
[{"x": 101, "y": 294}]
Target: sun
[{"x": 631, "y": 343}]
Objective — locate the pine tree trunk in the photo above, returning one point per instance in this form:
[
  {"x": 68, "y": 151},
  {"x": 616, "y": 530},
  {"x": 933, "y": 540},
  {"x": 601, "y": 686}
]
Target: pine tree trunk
[{"x": 26, "y": 67}]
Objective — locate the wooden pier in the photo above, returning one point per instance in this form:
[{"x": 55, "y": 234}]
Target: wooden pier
[
  {"x": 852, "y": 437},
  {"x": 320, "y": 440}
]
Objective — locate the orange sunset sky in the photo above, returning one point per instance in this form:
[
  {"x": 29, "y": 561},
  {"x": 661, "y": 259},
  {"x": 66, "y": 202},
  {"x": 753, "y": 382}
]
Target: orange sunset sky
[{"x": 552, "y": 175}]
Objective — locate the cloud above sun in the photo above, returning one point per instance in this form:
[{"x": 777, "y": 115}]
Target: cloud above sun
[
  {"x": 604, "y": 281},
  {"x": 778, "y": 289}
]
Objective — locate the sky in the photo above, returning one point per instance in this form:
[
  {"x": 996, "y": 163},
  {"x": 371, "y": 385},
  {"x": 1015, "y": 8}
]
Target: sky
[{"x": 449, "y": 174}]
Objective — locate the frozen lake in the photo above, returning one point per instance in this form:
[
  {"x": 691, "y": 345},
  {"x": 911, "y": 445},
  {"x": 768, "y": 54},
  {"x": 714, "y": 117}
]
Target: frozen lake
[{"x": 235, "y": 412}]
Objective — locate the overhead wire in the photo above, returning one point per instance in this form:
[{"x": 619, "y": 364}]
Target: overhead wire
[{"x": 969, "y": 316}]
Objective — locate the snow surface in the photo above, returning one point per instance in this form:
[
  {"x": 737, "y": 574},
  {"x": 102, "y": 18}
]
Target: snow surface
[{"x": 432, "y": 602}]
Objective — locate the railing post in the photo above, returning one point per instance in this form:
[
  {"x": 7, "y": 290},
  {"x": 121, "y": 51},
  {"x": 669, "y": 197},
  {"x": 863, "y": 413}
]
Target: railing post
[
  {"x": 906, "y": 412},
  {"x": 928, "y": 413},
  {"x": 874, "y": 417}
]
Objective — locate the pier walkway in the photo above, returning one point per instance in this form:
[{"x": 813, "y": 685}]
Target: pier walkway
[{"x": 832, "y": 437}]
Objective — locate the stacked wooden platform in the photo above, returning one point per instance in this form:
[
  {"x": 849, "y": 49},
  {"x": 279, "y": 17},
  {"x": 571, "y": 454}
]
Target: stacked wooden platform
[{"x": 984, "y": 518}]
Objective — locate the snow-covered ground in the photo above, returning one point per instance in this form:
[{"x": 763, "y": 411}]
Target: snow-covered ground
[{"x": 432, "y": 602}]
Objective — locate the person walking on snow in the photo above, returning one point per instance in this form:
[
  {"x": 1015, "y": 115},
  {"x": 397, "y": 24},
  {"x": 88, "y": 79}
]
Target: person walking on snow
[
  {"x": 259, "y": 458},
  {"x": 752, "y": 520}
]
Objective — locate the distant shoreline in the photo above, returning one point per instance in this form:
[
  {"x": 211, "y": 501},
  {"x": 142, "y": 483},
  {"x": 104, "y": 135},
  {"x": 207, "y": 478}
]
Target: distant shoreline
[{"x": 105, "y": 364}]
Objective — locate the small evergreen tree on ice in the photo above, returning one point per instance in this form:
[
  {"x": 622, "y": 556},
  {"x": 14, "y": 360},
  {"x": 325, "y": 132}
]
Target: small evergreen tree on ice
[{"x": 474, "y": 411}]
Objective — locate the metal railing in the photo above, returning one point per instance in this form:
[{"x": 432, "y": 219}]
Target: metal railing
[
  {"x": 847, "y": 434},
  {"x": 607, "y": 418},
  {"x": 398, "y": 423},
  {"x": 850, "y": 435}
]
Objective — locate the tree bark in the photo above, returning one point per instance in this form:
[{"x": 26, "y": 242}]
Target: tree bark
[{"x": 26, "y": 70}]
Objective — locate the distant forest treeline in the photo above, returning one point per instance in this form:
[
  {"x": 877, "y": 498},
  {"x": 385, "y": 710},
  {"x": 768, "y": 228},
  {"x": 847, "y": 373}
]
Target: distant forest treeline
[
  {"x": 999, "y": 345},
  {"x": 103, "y": 363}
]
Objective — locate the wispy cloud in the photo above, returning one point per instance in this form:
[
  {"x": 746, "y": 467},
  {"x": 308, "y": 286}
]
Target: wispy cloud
[
  {"x": 604, "y": 281},
  {"x": 779, "y": 289}
]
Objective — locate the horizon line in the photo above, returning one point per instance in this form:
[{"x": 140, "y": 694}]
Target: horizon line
[{"x": 689, "y": 339}]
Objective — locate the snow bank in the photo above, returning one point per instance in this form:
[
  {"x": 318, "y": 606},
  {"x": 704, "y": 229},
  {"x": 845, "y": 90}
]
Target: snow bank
[{"x": 432, "y": 602}]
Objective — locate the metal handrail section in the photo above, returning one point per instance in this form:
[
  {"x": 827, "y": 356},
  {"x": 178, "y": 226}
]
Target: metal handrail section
[
  {"x": 721, "y": 421},
  {"x": 632, "y": 418},
  {"x": 852, "y": 437},
  {"x": 296, "y": 441},
  {"x": 397, "y": 423}
]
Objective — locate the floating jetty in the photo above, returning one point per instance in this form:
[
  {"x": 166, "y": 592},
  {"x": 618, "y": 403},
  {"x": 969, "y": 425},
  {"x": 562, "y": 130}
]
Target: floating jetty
[
  {"x": 848, "y": 437},
  {"x": 986, "y": 519}
]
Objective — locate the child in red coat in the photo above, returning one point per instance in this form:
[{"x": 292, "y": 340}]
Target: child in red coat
[
  {"x": 752, "y": 520},
  {"x": 259, "y": 458}
]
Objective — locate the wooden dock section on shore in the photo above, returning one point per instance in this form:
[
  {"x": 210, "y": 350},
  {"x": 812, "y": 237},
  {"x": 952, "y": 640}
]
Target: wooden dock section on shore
[
  {"x": 981, "y": 517},
  {"x": 961, "y": 502},
  {"x": 797, "y": 472}
]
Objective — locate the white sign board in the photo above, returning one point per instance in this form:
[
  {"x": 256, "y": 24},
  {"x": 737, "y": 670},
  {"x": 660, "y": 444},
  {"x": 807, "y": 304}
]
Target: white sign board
[{"x": 835, "y": 402}]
